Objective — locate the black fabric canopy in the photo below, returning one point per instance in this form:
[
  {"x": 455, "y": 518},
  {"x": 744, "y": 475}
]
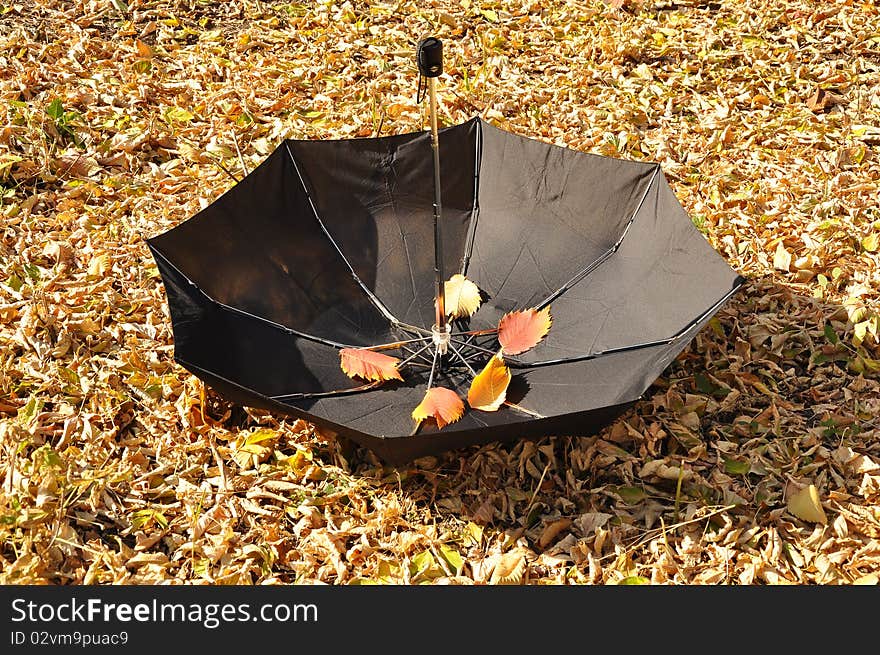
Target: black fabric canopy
[{"x": 329, "y": 244}]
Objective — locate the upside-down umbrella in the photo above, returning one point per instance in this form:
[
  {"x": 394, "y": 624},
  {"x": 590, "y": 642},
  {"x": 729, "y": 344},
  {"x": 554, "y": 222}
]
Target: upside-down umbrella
[{"x": 345, "y": 244}]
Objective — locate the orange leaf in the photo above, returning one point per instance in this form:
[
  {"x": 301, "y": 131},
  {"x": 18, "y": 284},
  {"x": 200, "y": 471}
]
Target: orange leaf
[
  {"x": 368, "y": 364},
  {"x": 441, "y": 403},
  {"x": 489, "y": 388},
  {"x": 521, "y": 330},
  {"x": 143, "y": 50}
]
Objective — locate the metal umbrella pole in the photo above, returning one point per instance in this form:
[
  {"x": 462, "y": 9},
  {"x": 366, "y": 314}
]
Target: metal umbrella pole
[{"x": 430, "y": 60}]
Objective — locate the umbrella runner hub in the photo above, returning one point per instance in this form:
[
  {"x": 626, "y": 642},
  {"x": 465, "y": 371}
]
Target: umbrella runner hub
[{"x": 441, "y": 336}]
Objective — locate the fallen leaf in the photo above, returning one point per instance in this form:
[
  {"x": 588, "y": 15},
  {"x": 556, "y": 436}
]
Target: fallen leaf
[
  {"x": 634, "y": 579},
  {"x": 98, "y": 266},
  {"x": 552, "y": 531},
  {"x": 871, "y": 242},
  {"x": 781, "y": 258},
  {"x": 144, "y": 51},
  {"x": 462, "y": 296},
  {"x": 489, "y": 389},
  {"x": 442, "y": 404},
  {"x": 369, "y": 364},
  {"x": 510, "y": 569},
  {"x": 520, "y": 331},
  {"x": 805, "y": 505}
]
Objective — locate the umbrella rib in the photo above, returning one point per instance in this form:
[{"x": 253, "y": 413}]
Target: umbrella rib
[
  {"x": 288, "y": 396},
  {"x": 474, "y": 346},
  {"x": 326, "y": 394},
  {"x": 516, "y": 363},
  {"x": 378, "y": 304},
  {"x": 592, "y": 266},
  {"x": 461, "y": 357},
  {"x": 433, "y": 368},
  {"x": 236, "y": 310},
  {"x": 475, "y": 210},
  {"x": 522, "y": 409},
  {"x": 418, "y": 352}
]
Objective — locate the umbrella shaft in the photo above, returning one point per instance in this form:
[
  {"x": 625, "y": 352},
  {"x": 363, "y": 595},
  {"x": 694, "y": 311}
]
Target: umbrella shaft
[{"x": 438, "y": 244}]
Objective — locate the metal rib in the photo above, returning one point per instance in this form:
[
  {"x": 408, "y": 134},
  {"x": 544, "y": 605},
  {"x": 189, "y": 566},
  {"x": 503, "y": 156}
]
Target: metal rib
[
  {"x": 475, "y": 210},
  {"x": 592, "y": 266},
  {"x": 516, "y": 363},
  {"x": 279, "y": 398},
  {"x": 373, "y": 298},
  {"x": 236, "y": 310},
  {"x": 326, "y": 394}
]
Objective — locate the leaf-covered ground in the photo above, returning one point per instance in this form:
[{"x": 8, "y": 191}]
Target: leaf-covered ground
[{"x": 121, "y": 120}]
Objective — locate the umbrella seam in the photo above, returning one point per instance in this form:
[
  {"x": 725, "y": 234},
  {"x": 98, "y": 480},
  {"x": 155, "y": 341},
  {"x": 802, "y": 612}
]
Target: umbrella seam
[
  {"x": 475, "y": 208},
  {"x": 516, "y": 363},
  {"x": 236, "y": 310},
  {"x": 373, "y": 298},
  {"x": 592, "y": 266},
  {"x": 278, "y": 398}
]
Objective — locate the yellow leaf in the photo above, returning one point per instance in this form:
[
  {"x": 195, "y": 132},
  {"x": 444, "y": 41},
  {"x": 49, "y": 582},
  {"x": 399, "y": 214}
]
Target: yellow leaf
[
  {"x": 462, "y": 296},
  {"x": 869, "y": 579},
  {"x": 781, "y": 258},
  {"x": 871, "y": 242},
  {"x": 442, "y": 404},
  {"x": 510, "y": 569},
  {"x": 98, "y": 266},
  {"x": 805, "y": 505},
  {"x": 489, "y": 389}
]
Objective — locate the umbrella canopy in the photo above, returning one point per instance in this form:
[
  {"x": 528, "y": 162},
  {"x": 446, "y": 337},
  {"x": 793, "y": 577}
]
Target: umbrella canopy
[{"x": 329, "y": 245}]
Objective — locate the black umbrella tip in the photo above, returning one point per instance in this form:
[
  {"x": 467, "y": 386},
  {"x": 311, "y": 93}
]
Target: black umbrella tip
[{"x": 430, "y": 57}]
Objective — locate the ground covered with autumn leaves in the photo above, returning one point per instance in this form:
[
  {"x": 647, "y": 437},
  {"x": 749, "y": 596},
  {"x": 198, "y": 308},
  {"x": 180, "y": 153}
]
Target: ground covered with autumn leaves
[{"x": 120, "y": 120}]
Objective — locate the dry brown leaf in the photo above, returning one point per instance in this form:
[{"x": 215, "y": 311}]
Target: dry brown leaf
[
  {"x": 805, "y": 505},
  {"x": 551, "y": 531},
  {"x": 509, "y": 569},
  {"x": 867, "y": 579},
  {"x": 781, "y": 258}
]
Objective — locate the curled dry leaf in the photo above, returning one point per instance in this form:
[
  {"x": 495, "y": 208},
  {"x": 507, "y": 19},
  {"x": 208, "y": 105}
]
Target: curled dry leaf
[
  {"x": 520, "y": 331},
  {"x": 781, "y": 258},
  {"x": 805, "y": 505},
  {"x": 510, "y": 569},
  {"x": 368, "y": 364},
  {"x": 489, "y": 389},
  {"x": 441, "y": 404},
  {"x": 462, "y": 296},
  {"x": 551, "y": 531}
]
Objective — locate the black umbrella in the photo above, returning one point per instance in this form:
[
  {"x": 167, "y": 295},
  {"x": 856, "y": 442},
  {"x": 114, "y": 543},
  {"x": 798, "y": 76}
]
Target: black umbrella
[{"x": 343, "y": 244}]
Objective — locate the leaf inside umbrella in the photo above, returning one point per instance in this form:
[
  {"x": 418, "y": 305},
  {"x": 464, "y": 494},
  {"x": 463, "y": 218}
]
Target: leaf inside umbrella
[
  {"x": 520, "y": 331},
  {"x": 442, "y": 404},
  {"x": 489, "y": 389},
  {"x": 462, "y": 296},
  {"x": 368, "y": 364}
]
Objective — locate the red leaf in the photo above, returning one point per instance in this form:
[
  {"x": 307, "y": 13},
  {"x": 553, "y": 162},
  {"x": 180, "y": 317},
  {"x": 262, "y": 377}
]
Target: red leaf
[
  {"x": 522, "y": 330},
  {"x": 442, "y": 404},
  {"x": 368, "y": 364}
]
